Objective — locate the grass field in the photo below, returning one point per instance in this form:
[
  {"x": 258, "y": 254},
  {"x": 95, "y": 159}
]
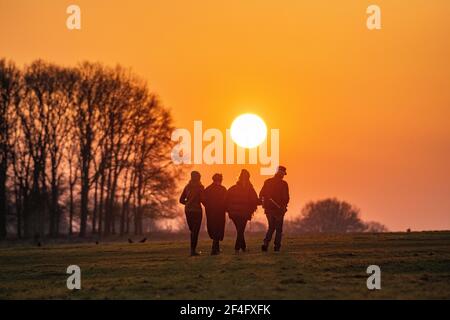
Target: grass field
[{"x": 413, "y": 266}]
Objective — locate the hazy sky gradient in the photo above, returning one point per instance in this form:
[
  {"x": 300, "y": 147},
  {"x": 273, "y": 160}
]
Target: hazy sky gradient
[{"x": 364, "y": 115}]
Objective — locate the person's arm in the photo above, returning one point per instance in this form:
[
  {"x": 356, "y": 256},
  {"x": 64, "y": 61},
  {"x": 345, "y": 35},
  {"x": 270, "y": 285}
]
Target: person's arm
[
  {"x": 183, "y": 196},
  {"x": 286, "y": 194},
  {"x": 255, "y": 199},
  {"x": 262, "y": 193},
  {"x": 226, "y": 200},
  {"x": 203, "y": 197}
]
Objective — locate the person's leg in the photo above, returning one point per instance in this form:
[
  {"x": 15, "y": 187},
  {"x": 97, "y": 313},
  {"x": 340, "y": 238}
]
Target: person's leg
[
  {"x": 210, "y": 224},
  {"x": 218, "y": 246},
  {"x": 221, "y": 226},
  {"x": 240, "y": 223},
  {"x": 188, "y": 219},
  {"x": 243, "y": 226},
  {"x": 240, "y": 231},
  {"x": 196, "y": 224},
  {"x": 215, "y": 247},
  {"x": 190, "y": 223},
  {"x": 279, "y": 233},
  {"x": 236, "y": 224},
  {"x": 270, "y": 231}
]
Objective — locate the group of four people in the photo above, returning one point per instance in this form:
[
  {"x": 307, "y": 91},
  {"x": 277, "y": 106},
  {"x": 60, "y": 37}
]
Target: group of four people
[{"x": 240, "y": 201}]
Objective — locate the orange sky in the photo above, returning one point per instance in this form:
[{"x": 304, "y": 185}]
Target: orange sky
[{"x": 363, "y": 115}]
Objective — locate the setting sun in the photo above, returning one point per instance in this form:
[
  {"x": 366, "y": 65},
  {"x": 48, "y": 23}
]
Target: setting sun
[{"x": 248, "y": 130}]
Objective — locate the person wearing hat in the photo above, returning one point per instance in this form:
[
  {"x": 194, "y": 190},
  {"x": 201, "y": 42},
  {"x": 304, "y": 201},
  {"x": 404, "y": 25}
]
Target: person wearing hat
[
  {"x": 191, "y": 199},
  {"x": 274, "y": 196},
  {"x": 214, "y": 201},
  {"x": 241, "y": 203}
]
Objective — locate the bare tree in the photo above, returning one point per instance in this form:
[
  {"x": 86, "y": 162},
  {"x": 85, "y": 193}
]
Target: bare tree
[
  {"x": 73, "y": 169},
  {"x": 155, "y": 178},
  {"x": 88, "y": 144},
  {"x": 118, "y": 114},
  {"x": 35, "y": 118},
  {"x": 91, "y": 96},
  {"x": 9, "y": 97}
]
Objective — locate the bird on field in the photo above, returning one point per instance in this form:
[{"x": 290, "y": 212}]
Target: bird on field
[
  {"x": 130, "y": 241},
  {"x": 37, "y": 240},
  {"x": 143, "y": 240}
]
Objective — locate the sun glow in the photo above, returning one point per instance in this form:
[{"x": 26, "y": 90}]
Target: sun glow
[{"x": 248, "y": 130}]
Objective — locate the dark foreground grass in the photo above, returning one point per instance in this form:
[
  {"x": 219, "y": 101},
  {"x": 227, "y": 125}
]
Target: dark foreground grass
[{"x": 414, "y": 266}]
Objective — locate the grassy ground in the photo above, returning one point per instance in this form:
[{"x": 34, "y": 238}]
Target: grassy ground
[{"x": 413, "y": 266}]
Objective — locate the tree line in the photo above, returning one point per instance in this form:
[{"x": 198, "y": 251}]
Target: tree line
[
  {"x": 332, "y": 215},
  {"x": 83, "y": 149}
]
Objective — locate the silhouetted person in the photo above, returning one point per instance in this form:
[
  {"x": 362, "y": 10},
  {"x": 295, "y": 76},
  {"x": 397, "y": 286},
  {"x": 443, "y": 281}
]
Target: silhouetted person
[
  {"x": 241, "y": 203},
  {"x": 191, "y": 198},
  {"x": 274, "y": 196},
  {"x": 214, "y": 201}
]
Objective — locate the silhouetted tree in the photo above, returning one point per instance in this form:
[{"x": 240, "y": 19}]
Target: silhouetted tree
[
  {"x": 330, "y": 216},
  {"x": 49, "y": 91},
  {"x": 10, "y": 84},
  {"x": 81, "y": 147},
  {"x": 73, "y": 168},
  {"x": 375, "y": 227},
  {"x": 91, "y": 96},
  {"x": 155, "y": 177},
  {"x": 40, "y": 90}
]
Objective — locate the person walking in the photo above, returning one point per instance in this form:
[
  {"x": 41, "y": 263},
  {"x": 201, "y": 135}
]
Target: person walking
[
  {"x": 274, "y": 197},
  {"x": 191, "y": 199},
  {"x": 214, "y": 201},
  {"x": 241, "y": 203}
]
